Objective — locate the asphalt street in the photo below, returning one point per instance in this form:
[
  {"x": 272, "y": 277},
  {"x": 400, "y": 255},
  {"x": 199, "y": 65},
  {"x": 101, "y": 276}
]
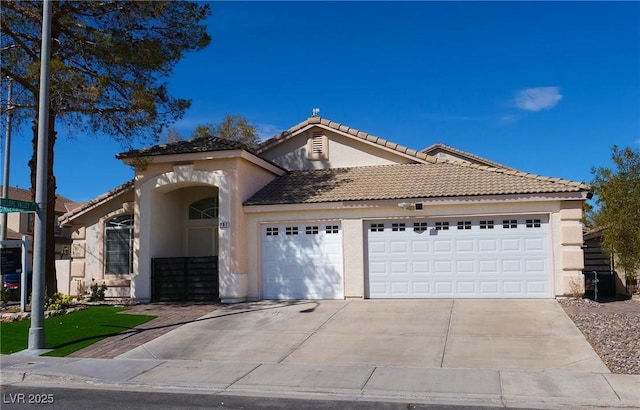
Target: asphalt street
[{"x": 54, "y": 398}]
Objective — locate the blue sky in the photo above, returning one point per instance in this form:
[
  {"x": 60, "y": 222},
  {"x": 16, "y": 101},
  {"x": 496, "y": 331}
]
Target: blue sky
[{"x": 545, "y": 87}]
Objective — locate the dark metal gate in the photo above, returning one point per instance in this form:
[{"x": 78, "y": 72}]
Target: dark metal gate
[
  {"x": 598, "y": 272},
  {"x": 184, "y": 279}
]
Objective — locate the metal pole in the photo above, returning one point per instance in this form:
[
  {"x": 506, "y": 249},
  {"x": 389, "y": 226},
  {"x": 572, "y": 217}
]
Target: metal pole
[
  {"x": 7, "y": 157},
  {"x": 24, "y": 275},
  {"x": 36, "y": 331},
  {"x": 5, "y": 175}
]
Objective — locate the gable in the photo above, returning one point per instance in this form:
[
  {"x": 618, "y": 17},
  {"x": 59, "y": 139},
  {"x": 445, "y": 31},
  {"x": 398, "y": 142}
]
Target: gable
[
  {"x": 318, "y": 143},
  {"x": 321, "y": 148},
  {"x": 446, "y": 153}
]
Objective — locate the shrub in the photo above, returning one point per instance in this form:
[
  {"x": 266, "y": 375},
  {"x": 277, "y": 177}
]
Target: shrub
[
  {"x": 5, "y": 294},
  {"x": 58, "y": 302},
  {"x": 97, "y": 292}
]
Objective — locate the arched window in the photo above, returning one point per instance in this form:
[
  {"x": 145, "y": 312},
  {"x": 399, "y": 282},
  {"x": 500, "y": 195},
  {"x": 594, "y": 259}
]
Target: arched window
[
  {"x": 204, "y": 209},
  {"x": 119, "y": 245}
]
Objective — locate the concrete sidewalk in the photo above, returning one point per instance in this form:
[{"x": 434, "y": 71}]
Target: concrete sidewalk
[{"x": 531, "y": 389}]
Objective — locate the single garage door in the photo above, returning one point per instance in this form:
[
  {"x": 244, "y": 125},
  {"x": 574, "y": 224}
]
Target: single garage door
[
  {"x": 302, "y": 261},
  {"x": 488, "y": 257}
]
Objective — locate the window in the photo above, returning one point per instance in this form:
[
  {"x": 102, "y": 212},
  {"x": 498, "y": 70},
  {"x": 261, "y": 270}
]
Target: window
[
  {"x": 311, "y": 230},
  {"x": 119, "y": 245},
  {"x": 442, "y": 226},
  {"x": 486, "y": 224},
  {"x": 398, "y": 227},
  {"x": 464, "y": 224},
  {"x": 291, "y": 230},
  {"x": 510, "y": 223},
  {"x": 272, "y": 231},
  {"x": 377, "y": 227},
  {"x": 331, "y": 229},
  {"x": 419, "y": 226},
  {"x": 533, "y": 223},
  {"x": 204, "y": 209}
]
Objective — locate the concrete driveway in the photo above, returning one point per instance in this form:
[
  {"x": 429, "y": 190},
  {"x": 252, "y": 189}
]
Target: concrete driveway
[{"x": 481, "y": 334}]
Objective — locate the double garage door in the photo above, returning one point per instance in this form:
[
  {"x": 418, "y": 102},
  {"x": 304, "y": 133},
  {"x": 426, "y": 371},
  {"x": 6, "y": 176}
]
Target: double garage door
[{"x": 497, "y": 257}]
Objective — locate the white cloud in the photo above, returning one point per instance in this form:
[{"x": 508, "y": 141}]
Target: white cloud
[{"x": 538, "y": 98}]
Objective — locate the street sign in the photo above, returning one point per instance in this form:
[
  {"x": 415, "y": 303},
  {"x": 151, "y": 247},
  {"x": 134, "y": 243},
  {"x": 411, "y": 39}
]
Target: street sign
[
  {"x": 11, "y": 260},
  {"x": 14, "y": 205}
]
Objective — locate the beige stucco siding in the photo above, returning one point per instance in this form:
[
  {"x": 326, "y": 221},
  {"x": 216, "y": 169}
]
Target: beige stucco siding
[
  {"x": 343, "y": 152},
  {"x": 87, "y": 249}
]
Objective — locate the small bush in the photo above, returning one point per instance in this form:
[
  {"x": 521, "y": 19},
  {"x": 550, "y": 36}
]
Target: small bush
[
  {"x": 97, "y": 292},
  {"x": 58, "y": 302},
  {"x": 5, "y": 294}
]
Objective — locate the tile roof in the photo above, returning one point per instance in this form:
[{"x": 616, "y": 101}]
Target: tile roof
[
  {"x": 439, "y": 147},
  {"x": 25, "y": 195},
  {"x": 431, "y": 180},
  {"x": 80, "y": 208},
  {"x": 202, "y": 144},
  {"x": 265, "y": 145}
]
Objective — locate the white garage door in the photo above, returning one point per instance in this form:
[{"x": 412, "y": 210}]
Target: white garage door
[
  {"x": 496, "y": 257},
  {"x": 302, "y": 261}
]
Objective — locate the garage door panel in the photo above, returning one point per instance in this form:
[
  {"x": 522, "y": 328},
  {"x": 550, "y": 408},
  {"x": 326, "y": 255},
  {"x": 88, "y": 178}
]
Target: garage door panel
[
  {"x": 465, "y": 266},
  {"x": 440, "y": 246},
  {"x": 465, "y": 245},
  {"x": 443, "y": 267},
  {"x": 534, "y": 244},
  {"x": 487, "y": 245},
  {"x": 419, "y": 247},
  {"x": 489, "y": 287},
  {"x": 512, "y": 287},
  {"x": 473, "y": 258},
  {"x": 511, "y": 244},
  {"x": 487, "y": 266}
]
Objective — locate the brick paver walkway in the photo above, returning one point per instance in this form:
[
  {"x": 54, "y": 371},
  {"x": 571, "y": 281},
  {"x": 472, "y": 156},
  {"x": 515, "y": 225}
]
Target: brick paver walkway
[{"x": 169, "y": 316}]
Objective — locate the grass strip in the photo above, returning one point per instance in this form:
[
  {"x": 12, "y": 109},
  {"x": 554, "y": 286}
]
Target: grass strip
[{"x": 72, "y": 331}]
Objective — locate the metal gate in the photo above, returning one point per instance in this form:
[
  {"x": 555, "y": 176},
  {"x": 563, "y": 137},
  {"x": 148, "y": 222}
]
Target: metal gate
[
  {"x": 184, "y": 279},
  {"x": 598, "y": 272}
]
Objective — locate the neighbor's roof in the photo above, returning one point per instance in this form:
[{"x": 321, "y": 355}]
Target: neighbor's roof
[
  {"x": 439, "y": 179},
  {"x": 25, "y": 195},
  {"x": 96, "y": 201},
  {"x": 464, "y": 155},
  {"x": 202, "y": 144}
]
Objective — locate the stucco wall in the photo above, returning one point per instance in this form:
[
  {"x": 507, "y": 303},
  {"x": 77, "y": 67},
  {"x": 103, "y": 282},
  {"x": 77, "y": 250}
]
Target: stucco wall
[
  {"x": 342, "y": 152},
  {"x": 87, "y": 248}
]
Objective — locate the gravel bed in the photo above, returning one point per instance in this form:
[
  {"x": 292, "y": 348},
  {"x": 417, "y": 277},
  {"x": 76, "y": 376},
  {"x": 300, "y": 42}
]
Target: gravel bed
[{"x": 613, "y": 329}]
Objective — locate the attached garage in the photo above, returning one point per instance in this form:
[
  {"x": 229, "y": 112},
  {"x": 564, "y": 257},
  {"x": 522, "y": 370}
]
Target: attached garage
[
  {"x": 480, "y": 257},
  {"x": 302, "y": 261}
]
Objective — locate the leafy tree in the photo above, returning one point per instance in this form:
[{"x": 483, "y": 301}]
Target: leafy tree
[
  {"x": 173, "y": 135},
  {"x": 232, "y": 127},
  {"x": 108, "y": 61},
  {"x": 618, "y": 195}
]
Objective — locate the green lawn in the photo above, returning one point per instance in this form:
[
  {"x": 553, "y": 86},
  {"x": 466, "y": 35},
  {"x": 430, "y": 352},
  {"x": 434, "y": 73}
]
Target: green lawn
[{"x": 70, "y": 332}]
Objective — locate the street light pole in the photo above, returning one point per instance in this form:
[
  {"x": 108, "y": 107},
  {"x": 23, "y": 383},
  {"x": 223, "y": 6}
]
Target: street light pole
[
  {"x": 36, "y": 331},
  {"x": 7, "y": 157}
]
